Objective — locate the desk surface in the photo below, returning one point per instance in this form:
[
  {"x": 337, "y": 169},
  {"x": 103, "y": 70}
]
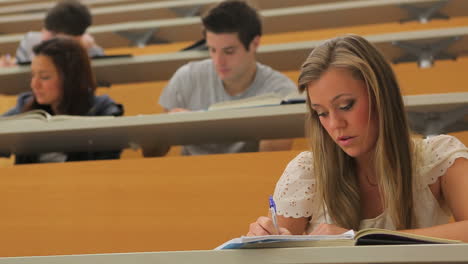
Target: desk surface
[
  {"x": 284, "y": 121},
  {"x": 362, "y": 254}
]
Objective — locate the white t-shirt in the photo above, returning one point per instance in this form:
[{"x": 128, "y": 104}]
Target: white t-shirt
[
  {"x": 196, "y": 86},
  {"x": 294, "y": 192}
]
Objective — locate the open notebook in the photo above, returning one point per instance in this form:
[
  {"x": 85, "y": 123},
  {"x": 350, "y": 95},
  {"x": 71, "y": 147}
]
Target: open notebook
[
  {"x": 369, "y": 236},
  {"x": 268, "y": 99},
  {"x": 39, "y": 114},
  {"x": 97, "y": 57}
]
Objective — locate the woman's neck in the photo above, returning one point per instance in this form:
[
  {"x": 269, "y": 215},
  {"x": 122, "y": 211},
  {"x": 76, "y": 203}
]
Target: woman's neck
[{"x": 366, "y": 169}]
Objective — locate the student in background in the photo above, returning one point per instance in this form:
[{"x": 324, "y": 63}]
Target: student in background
[
  {"x": 365, "y": 169},
  {"x": 232, "y": 31},
  {"x": 62, "y": 83},
  {"x": 69, "y": 18}
]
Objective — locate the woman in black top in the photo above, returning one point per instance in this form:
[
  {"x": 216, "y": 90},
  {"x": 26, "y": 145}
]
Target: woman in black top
[{"x": 62, "y": 83}]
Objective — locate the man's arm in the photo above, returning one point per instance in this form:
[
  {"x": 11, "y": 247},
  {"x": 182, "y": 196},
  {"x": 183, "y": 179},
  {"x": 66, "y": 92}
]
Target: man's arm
[
  {"x": 160, "y": 149},
  {"x": 171, "y": 101}
]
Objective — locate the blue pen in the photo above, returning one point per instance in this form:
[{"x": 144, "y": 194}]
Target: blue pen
[{"x": 273, "y": 213}]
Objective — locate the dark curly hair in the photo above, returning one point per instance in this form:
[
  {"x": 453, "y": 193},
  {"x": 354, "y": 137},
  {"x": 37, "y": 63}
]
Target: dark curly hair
[{"x": 68, "y": 17}]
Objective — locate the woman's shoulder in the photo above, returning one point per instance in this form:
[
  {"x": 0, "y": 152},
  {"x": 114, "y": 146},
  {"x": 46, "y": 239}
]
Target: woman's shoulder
[
  {"x": 437, "y": 154},
  {"x": 437, "y": 148},
  {"x": 298, "y": 169},
  {"x": 103, "y": 105},
  {"x": 21, "y": 101},
  {"x": 302, "y": 162},
  {"x": 24, "y": 98},
  {"x": 294, "y": 190}
]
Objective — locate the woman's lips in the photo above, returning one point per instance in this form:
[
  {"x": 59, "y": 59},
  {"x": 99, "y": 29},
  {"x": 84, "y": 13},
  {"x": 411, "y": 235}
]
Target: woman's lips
[{"x": 345, "y": 140}]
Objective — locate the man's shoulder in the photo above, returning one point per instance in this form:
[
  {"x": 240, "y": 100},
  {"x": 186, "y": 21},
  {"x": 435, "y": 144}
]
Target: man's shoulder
[
  {"x": 269, "y": 73},
  {"x": 32, "y": 38},
  {"x": 273, "y": 78}
]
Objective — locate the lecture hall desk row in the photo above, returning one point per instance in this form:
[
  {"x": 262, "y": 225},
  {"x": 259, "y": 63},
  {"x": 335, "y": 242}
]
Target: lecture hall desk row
[
  {"x": 150, "y": 204},
  {"x": 143, "y": 96},
  {"x": 134, "y": 205}
]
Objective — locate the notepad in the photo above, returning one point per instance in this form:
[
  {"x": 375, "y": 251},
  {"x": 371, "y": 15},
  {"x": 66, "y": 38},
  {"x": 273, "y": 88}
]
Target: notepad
[
  {"x": 39, "y": 114},
  {"x": 268, "y": 99},
  {"x": 96, "y": 57},
  {"x": 370, "y": 236}
]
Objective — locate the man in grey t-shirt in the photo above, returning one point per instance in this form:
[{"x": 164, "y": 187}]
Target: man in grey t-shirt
[{"x": 232, "y": 30}]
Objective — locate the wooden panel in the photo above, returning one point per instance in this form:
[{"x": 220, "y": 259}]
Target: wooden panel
[
  {"x": 138, "y": 98},
  {"x": 158, "y": 204}
]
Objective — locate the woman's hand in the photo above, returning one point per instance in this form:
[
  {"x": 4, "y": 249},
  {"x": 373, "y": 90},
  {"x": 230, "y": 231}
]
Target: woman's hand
[
  {"x": 328, "y": 229},
  {"x": 264, "y": 226}
]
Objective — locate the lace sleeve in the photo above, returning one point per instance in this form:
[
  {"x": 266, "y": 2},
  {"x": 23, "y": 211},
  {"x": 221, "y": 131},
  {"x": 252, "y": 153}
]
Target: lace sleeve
[
  {"x": 293, "y": 192},
  {"x": 438, "y": 155}
]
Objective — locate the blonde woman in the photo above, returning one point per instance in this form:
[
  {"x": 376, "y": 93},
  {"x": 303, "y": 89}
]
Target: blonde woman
[{"x": 364, "y": 168}]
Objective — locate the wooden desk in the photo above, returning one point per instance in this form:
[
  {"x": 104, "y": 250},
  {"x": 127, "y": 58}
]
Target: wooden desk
[
  {"x": 14, "y": 3},
  {"x": 29, "y": 136},
  {"x": 35, "y": 6},
  {"x": 136, "y": 11},
  {"x": 420, "y": 254},
  {"x": 30, "y": 7},
  {"x": 272, "y": 122},
  {"x": 134, "y": 205},
  {"x": 282, "y": 57},
  {"x": 318, "y": 17},
  {"x": 143, "y": 17}
]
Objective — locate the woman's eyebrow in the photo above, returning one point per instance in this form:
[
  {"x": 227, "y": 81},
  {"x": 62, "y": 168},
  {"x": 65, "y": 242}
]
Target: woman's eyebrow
[{"x": 334, "y": 99}]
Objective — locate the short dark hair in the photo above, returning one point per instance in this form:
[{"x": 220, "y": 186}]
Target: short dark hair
[
  {"x": 68, "y": 17},
  {"x": 234, "y": 16},
  {"x": 74, "y": 67}
]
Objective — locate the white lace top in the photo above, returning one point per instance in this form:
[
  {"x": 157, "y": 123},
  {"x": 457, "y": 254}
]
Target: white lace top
[{"x": 294, "y": 191}]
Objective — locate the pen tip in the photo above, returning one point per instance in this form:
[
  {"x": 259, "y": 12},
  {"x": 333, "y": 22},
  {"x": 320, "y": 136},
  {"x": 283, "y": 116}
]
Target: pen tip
[{"x": 271, "y": 201}]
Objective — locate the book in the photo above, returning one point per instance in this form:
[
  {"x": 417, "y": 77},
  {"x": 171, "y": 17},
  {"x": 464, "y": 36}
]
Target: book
[
  {"x": 39, "y": 114},
  {"x": 268, "y": 99},
  {"x": 369, "y": 236},
  {"x": 97, "y": 57}
]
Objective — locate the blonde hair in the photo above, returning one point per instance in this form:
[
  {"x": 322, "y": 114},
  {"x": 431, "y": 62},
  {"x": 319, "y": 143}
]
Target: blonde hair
[{"x": 337, "y": 187}]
